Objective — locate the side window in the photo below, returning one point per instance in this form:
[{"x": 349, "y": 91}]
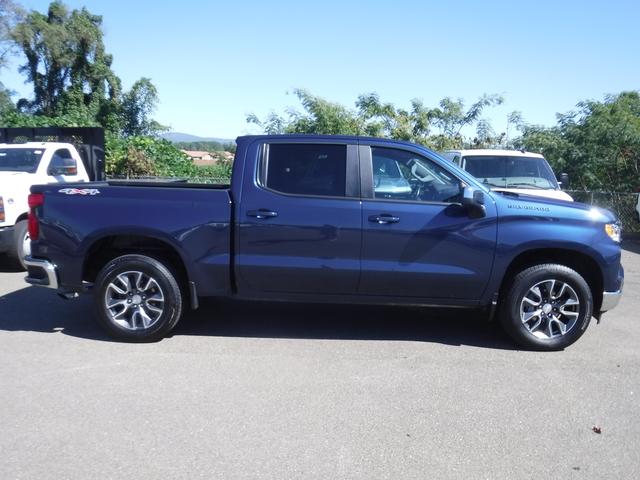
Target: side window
[
  {"x": 307, "y": 169},
  {"x": 62, "y": 163},
  {"x": 403, "y": 175}
]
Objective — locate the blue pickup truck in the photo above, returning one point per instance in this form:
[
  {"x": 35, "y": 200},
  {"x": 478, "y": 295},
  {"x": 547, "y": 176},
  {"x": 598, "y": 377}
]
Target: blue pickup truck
[{"x": 328, "y": 219}]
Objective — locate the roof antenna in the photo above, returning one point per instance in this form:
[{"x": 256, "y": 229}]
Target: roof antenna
[{"x": 522, "y": 150}]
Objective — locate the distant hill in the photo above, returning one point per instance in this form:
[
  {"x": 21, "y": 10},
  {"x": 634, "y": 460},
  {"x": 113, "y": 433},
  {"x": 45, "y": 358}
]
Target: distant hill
[{"x": 186, "y": 137}]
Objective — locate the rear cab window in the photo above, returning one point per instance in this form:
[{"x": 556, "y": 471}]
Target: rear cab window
[
  {"x": 306, "y": 169},
  {"x": 62, "y": 163}
]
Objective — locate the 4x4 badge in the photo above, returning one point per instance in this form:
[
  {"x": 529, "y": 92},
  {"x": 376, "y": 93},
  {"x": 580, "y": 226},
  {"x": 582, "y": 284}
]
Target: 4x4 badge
[{"x": 79, "y": 191}]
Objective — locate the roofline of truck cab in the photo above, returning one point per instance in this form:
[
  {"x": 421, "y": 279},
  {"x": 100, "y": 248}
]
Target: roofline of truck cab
[
  {"x": 338, "y": 138},
  {"x": 43, "y": 145},
  {"x": 495, "y": 153}
]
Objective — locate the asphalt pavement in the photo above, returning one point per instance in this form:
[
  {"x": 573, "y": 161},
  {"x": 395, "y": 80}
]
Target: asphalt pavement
[{"x": 277, "y": 391}]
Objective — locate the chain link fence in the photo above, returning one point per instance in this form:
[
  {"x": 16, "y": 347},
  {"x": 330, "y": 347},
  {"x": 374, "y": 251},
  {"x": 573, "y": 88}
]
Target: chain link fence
[{"x": 623, "y": 204}]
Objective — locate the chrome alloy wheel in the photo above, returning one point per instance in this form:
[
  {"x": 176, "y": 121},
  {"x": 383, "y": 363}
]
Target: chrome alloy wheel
[
  {"x": 550, "y": 309},
  {"x": 134, "y": 300}
]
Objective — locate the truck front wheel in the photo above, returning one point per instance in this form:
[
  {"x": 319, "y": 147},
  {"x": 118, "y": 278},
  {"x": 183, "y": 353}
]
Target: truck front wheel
[
  {"x": 137, "y": 298},
  {"x": 547, "y": 307}
]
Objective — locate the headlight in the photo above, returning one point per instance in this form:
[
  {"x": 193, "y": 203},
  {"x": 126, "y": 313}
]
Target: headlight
[{"x": 614, "y": 230}]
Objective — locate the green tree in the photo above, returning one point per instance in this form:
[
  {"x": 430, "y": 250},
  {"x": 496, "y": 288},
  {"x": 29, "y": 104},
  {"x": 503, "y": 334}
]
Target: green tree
[
  {"x": 385, "y": 120},
  {"x": 146, "y": 156},
  {"x": 203, "y": 146},
  {"x": 138, "y": 104},
  {"x": 70, "y": 71},
  {"x": 66, "y": 62},
  {"x": 14, "y": 118},
  {"x": 451, "y": 116},
  {"x": 320, "y": 116},
  {"x": 598, "y": 144},
  {"x": 6, "y": 105},
  {"x": 486, "y": 136},
  {"x": 10, "y": 15},
  {"x": 439, "y": 127}
]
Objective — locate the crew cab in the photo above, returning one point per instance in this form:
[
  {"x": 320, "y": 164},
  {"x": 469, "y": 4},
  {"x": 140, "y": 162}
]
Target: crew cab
[
  {"x": 21, "y": 166},
  {"x": 515, "y": 171},
  {"x": 328, "y": 219}
]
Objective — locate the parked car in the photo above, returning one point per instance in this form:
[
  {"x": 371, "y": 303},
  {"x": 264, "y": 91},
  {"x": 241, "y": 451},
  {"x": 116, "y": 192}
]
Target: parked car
[
  {"x": 21, "y": 166},
  {"x": 328, "y": 219},
  {"x": 512, "y": 171}
]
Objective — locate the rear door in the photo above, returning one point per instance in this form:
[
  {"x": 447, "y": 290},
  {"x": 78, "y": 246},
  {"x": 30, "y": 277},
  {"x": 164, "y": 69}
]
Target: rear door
[
  {"x": 418, "y": 241},
  {"x": 299, "y": 220}
]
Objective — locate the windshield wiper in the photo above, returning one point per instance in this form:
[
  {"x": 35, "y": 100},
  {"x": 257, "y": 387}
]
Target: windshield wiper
[
  {"x": 492, "y": 184},
  {"x": 524, "y": 184}
]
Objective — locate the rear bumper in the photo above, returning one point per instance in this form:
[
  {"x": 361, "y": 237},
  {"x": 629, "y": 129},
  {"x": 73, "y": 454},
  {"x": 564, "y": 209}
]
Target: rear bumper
[
  {"x": 6, "y": 239},
  {"x": 41, "y": 273}
]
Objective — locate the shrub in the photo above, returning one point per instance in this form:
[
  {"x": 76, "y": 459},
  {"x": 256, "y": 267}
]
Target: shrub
[{"x": 146, "y": 156}]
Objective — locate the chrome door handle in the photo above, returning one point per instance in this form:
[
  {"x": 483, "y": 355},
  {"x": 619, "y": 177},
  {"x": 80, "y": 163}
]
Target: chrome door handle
[
  {"x": 262, "y": 213},
  {"x": 384, "y": 218}
]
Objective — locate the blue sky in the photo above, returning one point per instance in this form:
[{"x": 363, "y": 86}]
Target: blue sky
[{"x": 214, "y": 62}]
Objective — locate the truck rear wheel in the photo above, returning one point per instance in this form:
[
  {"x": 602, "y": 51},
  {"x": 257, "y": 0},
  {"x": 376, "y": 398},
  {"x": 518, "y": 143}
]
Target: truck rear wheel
[
  {"x": 137, "y": 298},
  {"x": 547, "y": 307},
  {"x": 21, "y": 245}
]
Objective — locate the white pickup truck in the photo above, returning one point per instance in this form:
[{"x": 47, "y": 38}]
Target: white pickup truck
[
  {"x": 512, "y": 171},
  {"x": 21, "y": 166}
]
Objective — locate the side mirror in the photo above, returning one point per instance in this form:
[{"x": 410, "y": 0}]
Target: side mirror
[
  {"x": 564, "y": 181},
  {"x": 473, "y": 201}
]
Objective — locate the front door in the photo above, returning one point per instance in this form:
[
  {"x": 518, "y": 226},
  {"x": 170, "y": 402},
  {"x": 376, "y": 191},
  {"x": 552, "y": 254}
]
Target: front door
[
  {"x": 300, "y": 226},
  {"x": 418, "y": 241}
]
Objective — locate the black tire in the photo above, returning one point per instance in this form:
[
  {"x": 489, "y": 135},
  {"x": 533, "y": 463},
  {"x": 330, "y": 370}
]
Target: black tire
[
  {"x": 127, "y": 266},
  {"x": 16, "y": 252},
  {"x": 513, "y": 304}
]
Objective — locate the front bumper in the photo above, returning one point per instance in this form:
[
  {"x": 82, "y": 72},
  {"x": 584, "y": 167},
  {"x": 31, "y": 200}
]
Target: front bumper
[
  {"x": 6, "y": 239},
  {"x": 615, "y": 285},
  {"x": 610, "y": 300},
  {"x": 41, "y": 273}
]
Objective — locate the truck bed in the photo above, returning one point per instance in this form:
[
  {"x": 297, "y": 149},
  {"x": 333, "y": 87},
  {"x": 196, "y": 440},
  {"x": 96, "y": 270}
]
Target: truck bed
[{"x": 193, "y": 219}]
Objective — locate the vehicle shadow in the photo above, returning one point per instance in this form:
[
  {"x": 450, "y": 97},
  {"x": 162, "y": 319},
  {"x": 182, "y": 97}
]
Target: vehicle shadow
[
  {"x": 230, "y": 318},
  {"x": 35, "y": 309},
  {"x": 40, "y": 310},
  {"x": 5, "y": 266}
]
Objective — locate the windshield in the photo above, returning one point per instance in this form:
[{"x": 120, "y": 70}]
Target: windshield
[
  {"x": 20, "y": 159},
  {"x": 517, "y": 172}
]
